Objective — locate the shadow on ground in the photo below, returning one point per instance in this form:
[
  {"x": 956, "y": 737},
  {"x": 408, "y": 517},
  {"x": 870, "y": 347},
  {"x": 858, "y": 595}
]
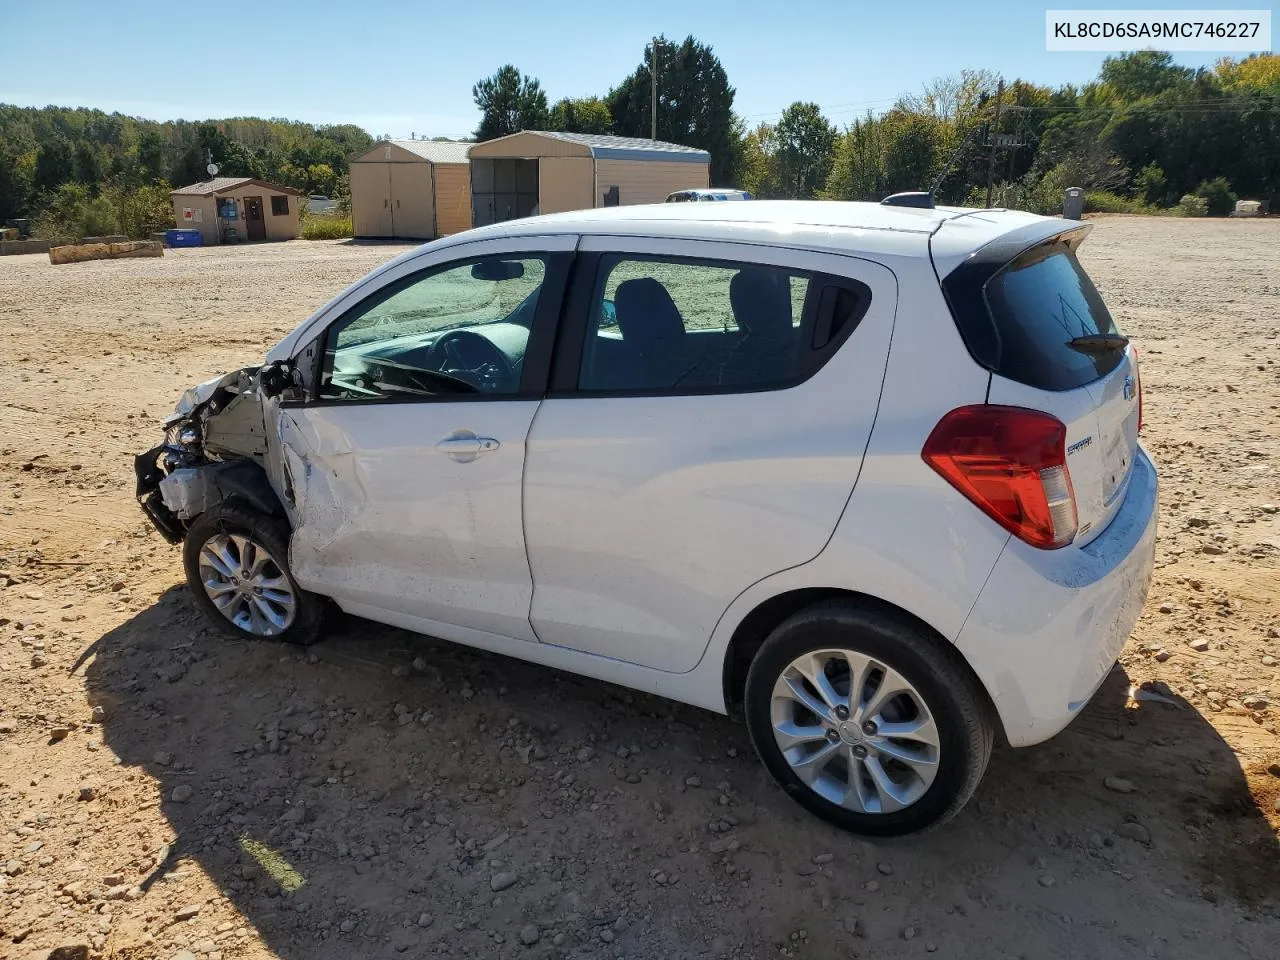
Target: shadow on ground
[{"x": 387, "y": 795}]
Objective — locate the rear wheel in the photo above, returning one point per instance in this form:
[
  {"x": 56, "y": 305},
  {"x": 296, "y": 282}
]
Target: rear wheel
[
  {"x": 237, "y": 567},
  {"x": 866, "y": 721}
]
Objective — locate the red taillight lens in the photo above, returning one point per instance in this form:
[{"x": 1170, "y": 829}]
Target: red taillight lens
[
  {"x": 1137, "y": 376},
  {"x": 1012, "y": 463}
]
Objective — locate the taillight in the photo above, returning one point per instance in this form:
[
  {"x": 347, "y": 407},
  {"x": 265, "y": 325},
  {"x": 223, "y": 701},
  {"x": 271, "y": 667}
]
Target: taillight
[
  {"x": 1012, "y": 463},
  {"x": 1137, "y": 376}
]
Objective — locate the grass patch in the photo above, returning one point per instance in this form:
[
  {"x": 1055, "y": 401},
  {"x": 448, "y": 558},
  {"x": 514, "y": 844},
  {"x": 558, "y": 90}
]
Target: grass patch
[
  {"x": 273, "y": 864},
  {"x": 320, "y": 227}
]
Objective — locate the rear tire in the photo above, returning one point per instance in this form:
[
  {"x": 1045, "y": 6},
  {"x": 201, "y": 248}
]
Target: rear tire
[
  {"x": 870, "y": 761},
  {"x": 237, "y": 565}
]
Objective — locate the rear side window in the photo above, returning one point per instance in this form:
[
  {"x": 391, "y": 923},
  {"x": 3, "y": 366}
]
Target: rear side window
[
  {"x": 690, "y": 326},
  {"x": 1021, "y": 321}
]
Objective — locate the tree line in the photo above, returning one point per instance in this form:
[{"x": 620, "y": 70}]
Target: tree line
[
  {"x": 1144, "y": 135},
  {"x": 78, "y": 171}
]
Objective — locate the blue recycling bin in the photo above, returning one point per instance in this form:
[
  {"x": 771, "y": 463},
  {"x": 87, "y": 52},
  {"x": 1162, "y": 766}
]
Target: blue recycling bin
[{"x": 182, "y": 238}]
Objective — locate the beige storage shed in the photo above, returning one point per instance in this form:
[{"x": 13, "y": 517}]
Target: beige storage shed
[
  {"x": 237, "y": 209},
  {"x": 411, "y": 190},
  {"x": 538, "y": 171}
]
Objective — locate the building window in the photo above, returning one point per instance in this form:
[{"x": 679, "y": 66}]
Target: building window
[{"x": 279, "y": 206}]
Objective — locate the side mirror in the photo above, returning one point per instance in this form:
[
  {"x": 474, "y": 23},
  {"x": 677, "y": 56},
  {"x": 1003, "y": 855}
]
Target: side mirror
[
  {"x": 495, "y": 270},
  {"x": 275, "y": 378},
  {"x": 608, "y": 314}
]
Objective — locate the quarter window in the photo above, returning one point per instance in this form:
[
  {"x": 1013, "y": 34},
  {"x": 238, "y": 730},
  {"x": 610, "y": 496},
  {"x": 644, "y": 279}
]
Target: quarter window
[{"x": 454, "y": 331}]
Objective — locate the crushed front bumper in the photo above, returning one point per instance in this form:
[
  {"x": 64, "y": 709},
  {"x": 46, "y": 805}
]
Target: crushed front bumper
[{"x": 149, "y": 475}]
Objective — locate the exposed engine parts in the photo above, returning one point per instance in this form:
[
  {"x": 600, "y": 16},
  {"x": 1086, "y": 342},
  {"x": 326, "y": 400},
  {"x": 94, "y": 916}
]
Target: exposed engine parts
[{"x": 214, "y": 449}]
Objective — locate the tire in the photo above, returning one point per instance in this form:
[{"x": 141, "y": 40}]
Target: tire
[
  {"x": 951, "y": 731},
  {"x": 260, "y": 618}
]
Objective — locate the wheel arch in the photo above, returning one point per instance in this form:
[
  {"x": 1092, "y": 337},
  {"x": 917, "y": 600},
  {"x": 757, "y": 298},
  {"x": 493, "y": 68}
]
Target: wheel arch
[{"x": 755, "y": 627}]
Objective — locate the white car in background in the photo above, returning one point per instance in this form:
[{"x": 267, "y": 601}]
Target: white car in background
[
  {"x": 871, "y": 470},
  {"x": 319, "y": 203},
  {"x": 703, "y": 195}
]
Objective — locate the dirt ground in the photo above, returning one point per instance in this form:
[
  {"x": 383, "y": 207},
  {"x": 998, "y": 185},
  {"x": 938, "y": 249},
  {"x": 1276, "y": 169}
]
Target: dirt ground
[{"x": 165, "y": 793}]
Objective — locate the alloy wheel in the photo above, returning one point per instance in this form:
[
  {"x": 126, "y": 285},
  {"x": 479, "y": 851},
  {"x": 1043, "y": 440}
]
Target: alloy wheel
[
  {"x": 247, "y": 585},
  {"x": 855, "y": 731}
]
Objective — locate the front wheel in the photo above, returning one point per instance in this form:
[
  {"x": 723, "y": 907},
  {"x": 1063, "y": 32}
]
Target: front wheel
[
  {"x": 865, "y": 721},
  {"x": 237, "y": 566}
]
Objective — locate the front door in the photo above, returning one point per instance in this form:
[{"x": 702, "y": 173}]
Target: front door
[
  {"x": 405, "y": 470},
  {"x": 255, "y": 225},
  {"x": 703, "y": 431}
]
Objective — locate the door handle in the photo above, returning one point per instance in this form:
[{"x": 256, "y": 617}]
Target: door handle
[{"x": 464, "y": 446}]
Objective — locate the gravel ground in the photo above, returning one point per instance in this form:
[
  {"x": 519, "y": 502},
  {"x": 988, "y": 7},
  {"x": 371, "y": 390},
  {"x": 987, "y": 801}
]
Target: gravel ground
[{"x": 167, "y": 794}]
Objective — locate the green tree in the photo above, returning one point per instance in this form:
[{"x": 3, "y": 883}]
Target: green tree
[
  {"x": 583, "y": 115},
  {"x": 88, "y": 164},
  {"x": 151, "y": 155},
  {"x": 1150, "y": 184},
  {"x": 914, "y": 148},
  {"x": 695, "y": 103},
  {"x": 142, "y": 211},
  {"x": 321, "y": 179},
  {"x": 15, "y": 180},
  {"x": 509, "y": 102},
  {"x": 805, "y": 142},
  {"x": 757, "y": 169},
  {"x": 1219, "y": 196},
  {"x": 1143, "y": 73},
  {"x": 55, "y": 165}
]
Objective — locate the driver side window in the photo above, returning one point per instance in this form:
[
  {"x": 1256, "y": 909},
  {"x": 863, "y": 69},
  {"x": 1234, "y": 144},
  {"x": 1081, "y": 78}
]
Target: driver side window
[{"x": 458, "y": 330}]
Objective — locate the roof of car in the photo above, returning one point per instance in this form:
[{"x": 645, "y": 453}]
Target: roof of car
[{"x": 846, "y": 227}]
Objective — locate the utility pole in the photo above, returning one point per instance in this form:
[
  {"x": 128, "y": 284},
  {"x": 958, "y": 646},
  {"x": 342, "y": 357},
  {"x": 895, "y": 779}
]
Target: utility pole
[
  {"x": 995, "y": 137},
  {"x": 653, "y": 99}
]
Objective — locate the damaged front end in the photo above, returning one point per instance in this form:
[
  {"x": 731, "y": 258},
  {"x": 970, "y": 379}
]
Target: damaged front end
[{"x": 214, "y": 449}]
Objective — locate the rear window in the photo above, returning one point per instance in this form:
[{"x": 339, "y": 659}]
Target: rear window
[{"x": 1029, "y": 310}]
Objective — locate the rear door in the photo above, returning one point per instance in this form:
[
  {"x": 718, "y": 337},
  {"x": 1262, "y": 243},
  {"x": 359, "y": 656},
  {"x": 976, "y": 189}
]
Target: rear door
[
  {"x": 1048, "y": 316},
  {"x": 703, "y": 431}
]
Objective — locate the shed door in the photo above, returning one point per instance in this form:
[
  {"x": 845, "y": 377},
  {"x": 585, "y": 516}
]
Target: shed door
[
  {"x": 371, "y": 199},
  {"x": 412, "y": 216},
  {"x": 503, "y": 189}
]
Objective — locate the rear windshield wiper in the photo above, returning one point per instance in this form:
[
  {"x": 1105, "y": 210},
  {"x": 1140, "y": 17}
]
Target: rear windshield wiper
[{"x": 1098, "y": 342}]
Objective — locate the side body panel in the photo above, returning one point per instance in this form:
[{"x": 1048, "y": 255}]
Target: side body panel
[{"x": 907, "y": 536}]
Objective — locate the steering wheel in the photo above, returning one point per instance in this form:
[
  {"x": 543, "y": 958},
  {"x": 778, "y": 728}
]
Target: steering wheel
[{"x": 472, "y": 358}]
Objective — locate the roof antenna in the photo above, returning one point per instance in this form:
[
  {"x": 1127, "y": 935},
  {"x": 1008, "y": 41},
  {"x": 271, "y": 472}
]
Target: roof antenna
[{"x": 910, "y": 198}]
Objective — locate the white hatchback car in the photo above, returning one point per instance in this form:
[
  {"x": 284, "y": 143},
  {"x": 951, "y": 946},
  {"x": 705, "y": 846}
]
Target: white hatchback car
[{"x": 871, "y": 470}]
